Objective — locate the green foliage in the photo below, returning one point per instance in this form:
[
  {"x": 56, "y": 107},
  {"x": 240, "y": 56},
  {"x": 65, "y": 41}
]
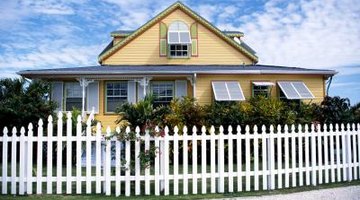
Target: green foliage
[
  {"x": 185, "y": 111},
  {"x": 225, "y": 113},
  {"x": 355, "y": 111},
  {"x": 334, "y": 110},
  {"x": 23, "y": 102}
]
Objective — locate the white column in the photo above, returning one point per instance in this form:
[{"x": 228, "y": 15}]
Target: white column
[
  {"x": 193, "y": 83},
  {"x": 84, "y": 83}
]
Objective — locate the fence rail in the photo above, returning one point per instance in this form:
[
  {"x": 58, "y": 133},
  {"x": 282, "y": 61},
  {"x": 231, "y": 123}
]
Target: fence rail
[{"x": 195, "y": 161}]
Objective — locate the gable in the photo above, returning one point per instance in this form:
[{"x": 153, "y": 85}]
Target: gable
[{"x": 142, "y": 46}]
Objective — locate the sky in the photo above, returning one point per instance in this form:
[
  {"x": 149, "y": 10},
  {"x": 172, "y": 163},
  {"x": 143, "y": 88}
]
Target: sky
[{"x": 320, "y": 34}]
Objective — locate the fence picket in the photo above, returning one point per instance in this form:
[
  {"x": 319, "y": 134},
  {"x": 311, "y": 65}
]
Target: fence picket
[
  {"x": 300, "y": 150},
  {"x": 358, "y": 146},
  {"x": 256, "y": 159},
  {"x": 107, "y": 164},
  {"x": 88, "y": 155},
  {"x": 117, "y": 164},
  {"x": 348, "y": 153},
  {"x": 59, "y": 153},
  {"x": 319, "y": 153},
  {"x": 68, "y": 152},
  {"x": 22, "y": 162},
  {"x": 29, "y": 159},
  {"x": 157, "y": 167},
  {"x": 293, "y": 156},
  {"x": 137, "y": 161},
  {"x": 337, "y": 143},
  {"x": 307, "y": 155},
  {"x": 39, "y": 170},
  {"x": 128, "y": 164},
  {"x": 326, "y": 153},
  {"x": 332, "y": 154},
  {"x": 49, "y": 155},
  {"x": 203, "y": 160},
  {"x": 313, "y": 155},
  {"x": 78, "y": 154},
  {"x": 176, "y": 161},
  {"x": 147, "y": 170},
  {"x": 354, "y": 153},
  {"x": 5, "y": 161},
  {"x": 247, "y": 158},
  {"x": 264, "y": 160},
  {"x": 343, "y": 153},
  {"x": 212, "y": 159},
  {"x": 230, "y": 160},
  {"x": 286, "y": 142},
  {"x": 279, "y": 157},
  {"x": 239, "y": 159},
  {"x": 221, "y": 160},
  {"x": 98, "y": 158},
  {"x": 271, "y": 155},
  {"x": 194, "y": 161},
  {"x": 166, "y": 161}
]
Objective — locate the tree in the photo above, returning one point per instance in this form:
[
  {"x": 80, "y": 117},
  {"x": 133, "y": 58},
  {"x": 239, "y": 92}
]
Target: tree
[
  {"x": 22, "y": 102},
  {"x": 334, "y": 110}
]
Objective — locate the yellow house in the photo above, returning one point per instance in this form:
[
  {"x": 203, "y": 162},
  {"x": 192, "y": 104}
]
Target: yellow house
[{"x": 177, "y": 53}]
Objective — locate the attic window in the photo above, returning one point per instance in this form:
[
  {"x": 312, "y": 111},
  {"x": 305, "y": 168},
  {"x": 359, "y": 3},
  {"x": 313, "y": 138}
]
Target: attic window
[{"x": 179, "y": 40}]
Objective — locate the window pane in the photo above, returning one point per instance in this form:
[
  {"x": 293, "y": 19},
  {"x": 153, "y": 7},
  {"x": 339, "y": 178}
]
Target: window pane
[
  {"x": 114, "y": 102},
  {"x": 73, "y": 89},
  {"x": 185, "y": 37},
  {"x": 72, "y": 103}
]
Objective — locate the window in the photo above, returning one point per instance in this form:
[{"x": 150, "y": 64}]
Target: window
[
  {"x": 179, "y": 50},
  {"x": 163, "y": 92},
  {"x": 73, "y": 96},
  {"x": 116, "y": 94},
  {"x": 262, "y": 89},
  {"x": 179, "y": 40},
  {"x": 227, "y": 91}
]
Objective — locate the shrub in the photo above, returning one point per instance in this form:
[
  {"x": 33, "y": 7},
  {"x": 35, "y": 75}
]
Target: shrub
[{"x": 334, "y": 110}]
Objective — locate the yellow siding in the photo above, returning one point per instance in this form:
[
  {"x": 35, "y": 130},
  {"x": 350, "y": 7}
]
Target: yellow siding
[
  {"x": 204, "y": 92},
  {"x": 145, "y": 48}
]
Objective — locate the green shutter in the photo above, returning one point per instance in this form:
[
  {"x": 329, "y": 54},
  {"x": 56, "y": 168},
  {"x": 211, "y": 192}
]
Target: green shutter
[
  {"x": 163, "y": 40},
  {"x": 194, "y": 38}
]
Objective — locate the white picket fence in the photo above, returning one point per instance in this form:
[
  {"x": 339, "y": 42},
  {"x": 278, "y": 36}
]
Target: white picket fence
[{"x": 238, "y": 161}]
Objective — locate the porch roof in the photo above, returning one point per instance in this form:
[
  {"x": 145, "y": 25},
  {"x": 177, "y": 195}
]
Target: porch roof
[{"x": 143, "y": 70}]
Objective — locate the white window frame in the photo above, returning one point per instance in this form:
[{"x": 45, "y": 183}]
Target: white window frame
[
  {"x": 113, "y": 95},
  {"x": 178, "y": 32}
]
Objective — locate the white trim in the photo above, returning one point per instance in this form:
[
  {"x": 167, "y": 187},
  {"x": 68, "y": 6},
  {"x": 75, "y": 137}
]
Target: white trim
[{"x": 263, "y": 83}]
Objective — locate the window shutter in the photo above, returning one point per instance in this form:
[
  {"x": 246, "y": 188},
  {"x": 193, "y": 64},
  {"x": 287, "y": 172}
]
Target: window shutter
[
  {"x": 194, "y": 39},
  {"x": 163, "y": 40},
  {"x": 131, "y": 92},
  {"x": 180, "y": 88},
  {"x": 140, "y": 92},
  {"x": 57, "y": 94},
  {"x": 92, "y": 97}
]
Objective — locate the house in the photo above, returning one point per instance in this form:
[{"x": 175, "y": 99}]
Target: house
[{"x": 177, "y": 53}]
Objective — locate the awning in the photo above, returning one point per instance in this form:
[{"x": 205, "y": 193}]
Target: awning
[
  {"x": 263, "y": 83},
  {"x": 179, "y": 37},
  {"x": 227, "y": 91},
  {"x": 295, "y": 90}
]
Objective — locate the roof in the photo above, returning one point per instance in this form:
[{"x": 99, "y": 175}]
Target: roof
[
  {"x": 176, "y": 70},
  {"x": 177, "y": 5},
  {"x": 128, "y": 32}
]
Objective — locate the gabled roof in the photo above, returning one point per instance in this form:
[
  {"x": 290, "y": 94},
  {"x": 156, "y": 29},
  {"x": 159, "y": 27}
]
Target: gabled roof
[
  {"x": 187, "y": 10},
  {"x": 175, "y": 70}
]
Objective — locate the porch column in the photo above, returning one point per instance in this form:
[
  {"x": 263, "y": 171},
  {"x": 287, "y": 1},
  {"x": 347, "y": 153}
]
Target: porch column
[
  {"x": 84, "y": 83},
  {"x": 144, "y": 82},
  {"x": 193, "y": 83}
]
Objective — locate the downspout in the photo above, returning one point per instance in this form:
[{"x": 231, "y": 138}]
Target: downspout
[{"x": 328, "y": 86}]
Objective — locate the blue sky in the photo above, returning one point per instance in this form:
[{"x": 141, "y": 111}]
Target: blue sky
[{"x": 322, "y": 34}]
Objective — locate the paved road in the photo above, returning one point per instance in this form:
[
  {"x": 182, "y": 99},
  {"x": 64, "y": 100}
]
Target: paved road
[{"x": 341, "y": 193}]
